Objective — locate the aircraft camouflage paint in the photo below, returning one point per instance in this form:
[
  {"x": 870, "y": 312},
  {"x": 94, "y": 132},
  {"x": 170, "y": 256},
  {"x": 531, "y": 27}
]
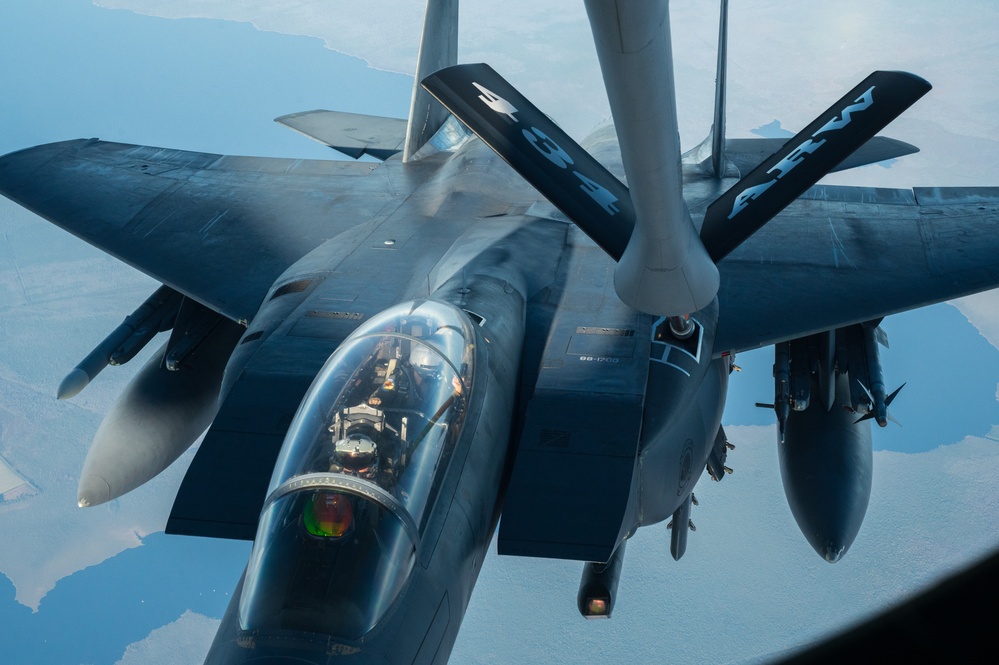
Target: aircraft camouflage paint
[{"x": 559, "y": 352}]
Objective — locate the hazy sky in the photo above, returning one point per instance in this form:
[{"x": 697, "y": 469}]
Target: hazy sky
[{"x": 749, "y": 583}]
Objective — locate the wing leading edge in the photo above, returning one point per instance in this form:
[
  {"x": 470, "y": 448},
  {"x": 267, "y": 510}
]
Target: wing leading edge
[{"x": 216, "y": 228}]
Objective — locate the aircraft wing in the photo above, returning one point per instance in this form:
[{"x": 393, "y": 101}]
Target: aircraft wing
[
  {"x": 842, "y": 255},
  {"x": 216, "y": 228}
]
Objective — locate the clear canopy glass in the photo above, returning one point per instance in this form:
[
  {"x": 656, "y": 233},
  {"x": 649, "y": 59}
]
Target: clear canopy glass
[{"x": 360, "y": 467}]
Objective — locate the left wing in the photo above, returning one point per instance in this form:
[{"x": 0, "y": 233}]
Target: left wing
[
  {"x": 843, "y": 255},
  {"x": 218, "y": 229}
]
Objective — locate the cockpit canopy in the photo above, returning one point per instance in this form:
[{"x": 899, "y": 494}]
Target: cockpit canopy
[{"x": 359, "y": 471}]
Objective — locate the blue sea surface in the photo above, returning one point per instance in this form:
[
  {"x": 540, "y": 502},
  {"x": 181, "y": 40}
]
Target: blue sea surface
[
  {"x": 73, "y": 70},
  {"x": 93, "y": 615}
]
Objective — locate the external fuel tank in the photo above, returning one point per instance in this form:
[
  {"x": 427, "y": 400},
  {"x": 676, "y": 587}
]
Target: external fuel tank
[{"x": 826, "y": 467}]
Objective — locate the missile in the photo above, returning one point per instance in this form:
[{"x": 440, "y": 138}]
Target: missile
[
  {"x": 678, "y": 529},
  {"x": 868, "y": 395},
  {"x": 881, "y": 404},
  {"x": 151, "y": 317},
  {"x": 825, "y": 348},
  {"x": 782, "y": 385},
  {"x": 877, "y": 393},
  {"x": 718, "y": 456},
  {"x": 598, "y": 586},
  {"x": 800, "y": 353}
]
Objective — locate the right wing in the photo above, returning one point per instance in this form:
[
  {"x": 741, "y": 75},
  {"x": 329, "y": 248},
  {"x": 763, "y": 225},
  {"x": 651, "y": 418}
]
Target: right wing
[
  {"x": 844, "y": 255},
  {"x": 218, "y": 229}
]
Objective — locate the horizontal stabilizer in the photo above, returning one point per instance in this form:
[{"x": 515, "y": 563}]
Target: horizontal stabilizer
[
  {"x": 557, "y": 166},
  {"x": 353, "y": 134},
  {"x": 802, "y": 161},
  {"x": 747, "y": 154}
]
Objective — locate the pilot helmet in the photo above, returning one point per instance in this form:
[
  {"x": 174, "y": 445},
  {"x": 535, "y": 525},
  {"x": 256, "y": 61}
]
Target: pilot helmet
[
  {"x": 424, "y": 359},
  {"x": 357, "y": 454}
]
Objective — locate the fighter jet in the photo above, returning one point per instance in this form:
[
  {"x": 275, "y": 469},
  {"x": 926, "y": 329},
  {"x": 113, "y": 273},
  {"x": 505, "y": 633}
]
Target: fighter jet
[{"x": 495, "y": 319}]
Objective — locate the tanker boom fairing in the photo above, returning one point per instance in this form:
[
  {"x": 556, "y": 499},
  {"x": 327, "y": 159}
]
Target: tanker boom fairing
[{"x": 387, "y": 355}]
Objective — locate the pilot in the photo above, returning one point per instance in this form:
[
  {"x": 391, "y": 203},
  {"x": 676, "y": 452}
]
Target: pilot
[
  {"x": 426, "y": 363},
  {"x": 424, "y": 360}
]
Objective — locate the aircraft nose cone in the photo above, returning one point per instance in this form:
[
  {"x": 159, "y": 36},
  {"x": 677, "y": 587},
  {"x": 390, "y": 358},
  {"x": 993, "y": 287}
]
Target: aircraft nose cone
[{"x": 92, "y": 491}]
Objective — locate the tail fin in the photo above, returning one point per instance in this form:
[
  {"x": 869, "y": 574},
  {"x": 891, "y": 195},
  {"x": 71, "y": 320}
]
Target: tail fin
[
  {"x": 718, "y": 127},
  {"x": 438, "y": 49}
]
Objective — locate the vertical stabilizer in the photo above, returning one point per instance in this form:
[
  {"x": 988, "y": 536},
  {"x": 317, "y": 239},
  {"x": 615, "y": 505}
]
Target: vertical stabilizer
[
  {"x": 438, "y": 49},
  {"x": 718, "y": 128}
]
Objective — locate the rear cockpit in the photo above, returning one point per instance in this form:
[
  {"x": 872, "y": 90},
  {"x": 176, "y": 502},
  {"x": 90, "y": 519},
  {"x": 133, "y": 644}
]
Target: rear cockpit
[{"x": 360, "y": 468}]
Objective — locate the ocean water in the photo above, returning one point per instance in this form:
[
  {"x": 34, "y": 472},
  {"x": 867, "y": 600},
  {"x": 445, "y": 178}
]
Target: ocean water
[
  {"x": 72, "y": 70},
  {"x": 93, "y": 615}
]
